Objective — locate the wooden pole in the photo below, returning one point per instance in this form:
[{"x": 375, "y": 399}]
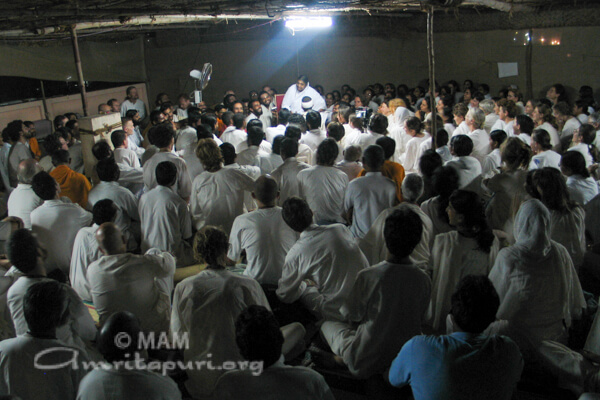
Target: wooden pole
[
  {"x": 79, "y": 69},
  {"x": 44, "y": 104},
  {"x": 529, "y": 65},
  {"x": 431, "y": 59}
]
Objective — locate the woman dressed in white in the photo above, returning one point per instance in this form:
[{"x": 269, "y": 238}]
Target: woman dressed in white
[
  {"x": 469, "y": 250},
  {"x": 293, "y": 97},
  {"x": 538, "y": 287}
]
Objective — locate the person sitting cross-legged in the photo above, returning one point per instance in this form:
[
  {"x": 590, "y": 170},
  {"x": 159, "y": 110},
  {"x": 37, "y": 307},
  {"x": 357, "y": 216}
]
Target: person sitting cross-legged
[
  {"x": 22, "y": 358},
  {"x": 386, "y": 306},
  {"x": 466, "y": 363},
  {"x": 118, "y": 378},
  {"x": 261, "y": 342}
]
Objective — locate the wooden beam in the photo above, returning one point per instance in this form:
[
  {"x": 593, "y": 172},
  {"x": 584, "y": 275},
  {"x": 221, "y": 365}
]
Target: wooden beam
[
  {"x": 431, "y": 60},
  {"x": 79, "y": 70}
]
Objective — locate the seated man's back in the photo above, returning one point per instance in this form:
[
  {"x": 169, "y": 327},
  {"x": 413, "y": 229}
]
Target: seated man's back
[{"x": 140, "y": 284}]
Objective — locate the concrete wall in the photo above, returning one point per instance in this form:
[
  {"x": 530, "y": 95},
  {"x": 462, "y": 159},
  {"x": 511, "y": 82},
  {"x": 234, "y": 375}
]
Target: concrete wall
[{"x": 334, "y": 60}]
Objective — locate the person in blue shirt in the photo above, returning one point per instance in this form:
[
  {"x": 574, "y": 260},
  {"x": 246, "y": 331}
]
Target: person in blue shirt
[{"x": 465, "y": 364}]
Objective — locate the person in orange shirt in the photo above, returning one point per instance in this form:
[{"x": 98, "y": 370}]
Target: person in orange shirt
[
  {"x": 33, "y": 143},
  {"x": 390, "y": 169},
  {"x": 73, "y": 185}
]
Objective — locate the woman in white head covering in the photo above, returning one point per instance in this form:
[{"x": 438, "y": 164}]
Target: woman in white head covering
[
  {"x": 397, "y": 132},
  {"x": 567, "y": 217},
  {"x": 538, "y": 287}
]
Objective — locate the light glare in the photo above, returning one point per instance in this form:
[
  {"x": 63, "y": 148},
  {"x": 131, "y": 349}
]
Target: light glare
[{"x": 307, "y": 22}]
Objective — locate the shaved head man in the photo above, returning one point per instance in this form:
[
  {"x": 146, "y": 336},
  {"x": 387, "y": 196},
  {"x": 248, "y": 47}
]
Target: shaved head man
[
  {"x": 263, "y": 234},
  {"x": 110, "y": 239}
]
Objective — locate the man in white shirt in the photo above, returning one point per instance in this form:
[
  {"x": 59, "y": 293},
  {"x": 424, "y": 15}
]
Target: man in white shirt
[
  {"x": 261, "y": 342},
  {"x": 507, "y": 112},
  {"x": 324, "y": 186},
  {"x": 163, "y": 137},
  {"x": 119, "y": 377},
  {"x": 234, "y": 133},
  {"x": 166, "y": 220},
  {"x": 286, "y": 175},
  {"x": 481, "y": 140},
  {"x": 183, "y": 102},
  {"x": 367, "y": 196},
  {"x": 253, "y": 155},
  {"x": 322, "y": 266},
  {"x": 282, "y": 121},
  {"x": 129, "y": 177},
  {"x": 467, "y": 167},
  {"x": 140, "y": 284},
  {"x": 133, "y": 102},
  {"x": 56, "y": 222},
  {"x": 263, "y": 234},
  {"x": 387, "y": 304},
  {"x": 129, "y": 129},
  {"x": 136, "y": 137},
  {"x": 86, "y": 250},
  {"x": 460, "y": 111},
  {"x": 77, "y": 326},
  {"x": 43, "y": 305},
  {"x": 256, "y": 112},
  {"x": 373, "y": 243},
  {"x": 122, "y": 153},
  {"x": 295, "y": 129},
  {"x": 314, "y": 136},
  {"x": 23, "y": 200},
  {"x": 18, "y": 150},
  {"x": 128, "y": 218}
]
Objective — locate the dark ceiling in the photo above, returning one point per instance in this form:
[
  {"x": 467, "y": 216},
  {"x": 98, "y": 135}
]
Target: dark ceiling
[{"x": 39, "y": 17}]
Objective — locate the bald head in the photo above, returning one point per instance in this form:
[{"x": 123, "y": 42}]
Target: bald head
[
  {"x": 27, "y": 170},
  {"x": 265, "y": 190},
  {"x": 110, "y": 239},
  {"x": 104, "y": 109}
]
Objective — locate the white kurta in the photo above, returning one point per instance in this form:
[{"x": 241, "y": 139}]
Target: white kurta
[
  {"x": 491, "y": 164},
  {"x": 439, "y": 220},
  {"x": 131, "y": 178},
  {"x": 128, "y": 217},
  {"x": 85, "y": 252},
  {"x": 286, "y": 176},
  {"x": 467, "y": 167},
  {"x": 127, "y": 157},
  {"x": 106, "y": 382},
  {"x": 367, "y": 139},
  {"x": 138, "y": 105},
  {"x": 373, "y": 244},
  {"x": 140, "y": 284},
  {"x": 461, "y": 129},
  {"x": 21, "y": 378},
  {"x": 186, "y": 140},
  {"x": 218, "y": 197},
  {"x": 324, "y": 189},
  {"x": 568, "y": 229},
  {"x": 328, "y": 256},
  {"x": 570, "y": 126},
  {"x": 368, "y": 196},
  {"x": 18, "y": 152},
  {"x": 581, "y": 189},
  {"x": 22, "y": 202},
  {"x": 274, "y": 383},
  {"x": 293, "y": 99},
  {"x": 554, "y": 137},
  {"x": 585, "y": 152},
  {"x": 166, "y": 223},
  {"x": 538, "y": 287},
  {"x": 77, "y": 331},
  {"x": 205, "y": 306},
  {"x": 409, "y": 159},
  {"x": 271, "y": 133},
  {"x": 548, "y": 158},
  {"x": 266, "y": 238},
  {"x": 234, "y": 136},
  {"x": 481, "y": 144},
  {"x": 313, "y": 138},
  {"x": 56, "y": 224},
  {"x": 490, "y": 120},
  {"x": 269, "y": 163},
  {"x": 384, "y": 310},
  {"x": 183, "y": 185},
  {"x": 454, "y": 256}
]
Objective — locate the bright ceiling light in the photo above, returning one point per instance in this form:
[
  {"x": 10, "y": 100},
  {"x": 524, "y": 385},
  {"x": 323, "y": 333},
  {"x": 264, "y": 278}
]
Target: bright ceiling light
[{"x": 299, "y": 23}]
